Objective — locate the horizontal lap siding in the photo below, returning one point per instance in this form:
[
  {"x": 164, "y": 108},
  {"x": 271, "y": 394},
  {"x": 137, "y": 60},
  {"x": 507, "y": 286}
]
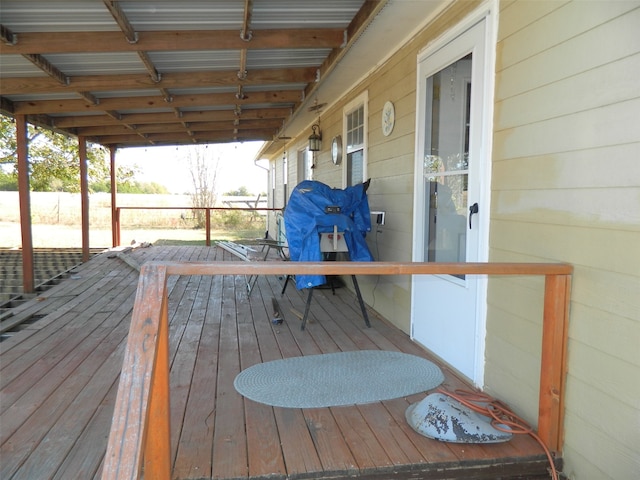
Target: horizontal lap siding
[
  {"x": 566, "y": 187},
  {"x": 391, "y": 164}
]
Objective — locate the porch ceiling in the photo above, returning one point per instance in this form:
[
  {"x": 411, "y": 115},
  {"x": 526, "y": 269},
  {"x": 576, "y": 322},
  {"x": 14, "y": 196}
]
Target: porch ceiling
[{"x": 133, "y": 73}]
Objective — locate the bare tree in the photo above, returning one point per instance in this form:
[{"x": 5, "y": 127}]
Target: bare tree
[{"x": 204, "y": 165}]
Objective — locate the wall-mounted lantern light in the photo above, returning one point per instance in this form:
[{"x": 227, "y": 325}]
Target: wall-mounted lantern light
[{"x": 315, "y": 139}]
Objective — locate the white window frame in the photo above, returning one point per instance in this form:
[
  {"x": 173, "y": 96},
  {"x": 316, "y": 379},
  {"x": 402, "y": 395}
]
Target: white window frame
[
  {"x": 361, "y": 100},
  {"x": 285, "y": 177},
  {"x": 273, "y": 184},
  {"x": 305, "y": 164}
]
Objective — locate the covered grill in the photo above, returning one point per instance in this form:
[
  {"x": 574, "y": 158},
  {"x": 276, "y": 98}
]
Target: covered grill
[
  {"x": 321, "y": 220},
  {"x": 315, "y": 209}
]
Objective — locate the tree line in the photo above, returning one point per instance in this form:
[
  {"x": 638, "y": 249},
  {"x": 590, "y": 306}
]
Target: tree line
[{"x": 54, "y": 165}]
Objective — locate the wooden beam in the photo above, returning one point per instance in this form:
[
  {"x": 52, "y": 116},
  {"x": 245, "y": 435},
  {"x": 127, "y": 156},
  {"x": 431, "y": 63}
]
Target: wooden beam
[
  {"x": 28, "y": 274},
  {"x": 167, "y": 117},
  {"x": 84, "y": 196},
  {"x": 146, "y": 102},
  {"x": 179, "y": 127},
  {"x": 173, "y": 40},
  {"x": 181, "y": 138},
  {"x": 21, "y": 85}
]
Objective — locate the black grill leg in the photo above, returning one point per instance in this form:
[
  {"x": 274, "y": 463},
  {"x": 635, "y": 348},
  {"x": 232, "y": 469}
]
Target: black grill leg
[
  {"x": 362, "y": 307},
  {"x": 286, "y": 282},
  {"x": 306, "y": 309}
]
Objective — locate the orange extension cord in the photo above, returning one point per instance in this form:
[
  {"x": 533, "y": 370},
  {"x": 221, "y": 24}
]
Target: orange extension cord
[{"x": 500, "y": 415}]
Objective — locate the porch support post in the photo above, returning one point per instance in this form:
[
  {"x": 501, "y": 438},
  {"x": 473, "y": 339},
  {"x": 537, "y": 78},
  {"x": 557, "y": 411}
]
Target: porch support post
[
  {"x": 555, "y": 332},
  {"x": 84, "y": 196},
  {"x": 25, "y": 205},
  {"x": 115, "y": 227}
]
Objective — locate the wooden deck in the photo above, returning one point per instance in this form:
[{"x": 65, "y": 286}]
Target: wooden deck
[{"x": 59, "y": 377}]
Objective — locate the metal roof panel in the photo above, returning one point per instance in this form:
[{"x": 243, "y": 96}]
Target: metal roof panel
[
  {"x": 106, "y": 67},
  {"x": 116, "y": 63},
  {"x": 56, "y": 16},
  {"x": 185, "y": 15},
  {"x": 286, "y": 58},
  {"x": 18, "y": 66},
  {"x": 201, "y": 60}
]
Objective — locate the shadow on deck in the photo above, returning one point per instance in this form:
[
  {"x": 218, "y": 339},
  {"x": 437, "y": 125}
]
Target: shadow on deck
[{"x": 59, "y": 378}]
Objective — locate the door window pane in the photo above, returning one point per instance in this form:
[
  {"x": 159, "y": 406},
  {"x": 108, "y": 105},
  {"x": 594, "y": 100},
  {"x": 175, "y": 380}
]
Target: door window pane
[{"x": 446, "y": 165}]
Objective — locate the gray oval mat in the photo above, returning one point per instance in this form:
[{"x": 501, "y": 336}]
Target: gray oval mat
[{"x": 335, "y": 379}]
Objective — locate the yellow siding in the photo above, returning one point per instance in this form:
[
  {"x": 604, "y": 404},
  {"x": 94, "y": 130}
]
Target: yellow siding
[{"x": 566, "y": 187}]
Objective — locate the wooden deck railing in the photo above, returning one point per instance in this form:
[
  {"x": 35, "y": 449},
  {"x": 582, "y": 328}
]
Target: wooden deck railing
[
  {"x": 116, "y": 223},
  {"x": 140, "y": 433}
]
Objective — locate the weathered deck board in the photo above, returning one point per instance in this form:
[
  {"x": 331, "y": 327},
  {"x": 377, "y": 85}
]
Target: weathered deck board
[{"x": 59, "y": 377}]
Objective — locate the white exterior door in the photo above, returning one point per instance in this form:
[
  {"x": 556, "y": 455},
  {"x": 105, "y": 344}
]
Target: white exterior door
[{"x": 451, "y": 200}]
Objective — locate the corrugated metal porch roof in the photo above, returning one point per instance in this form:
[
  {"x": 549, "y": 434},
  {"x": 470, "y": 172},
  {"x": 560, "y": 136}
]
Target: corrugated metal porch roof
[
  {"x": 106, "y": 70},
  {"x": 95, "y": 59}
]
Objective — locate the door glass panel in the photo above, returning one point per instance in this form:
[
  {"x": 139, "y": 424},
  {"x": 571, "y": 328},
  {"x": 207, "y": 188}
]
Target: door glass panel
[{"x": 446, "y": 166}]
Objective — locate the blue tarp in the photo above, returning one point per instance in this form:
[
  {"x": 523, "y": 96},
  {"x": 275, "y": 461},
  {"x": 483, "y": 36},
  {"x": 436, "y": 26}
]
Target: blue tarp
[{"x": 305, "y": 219}]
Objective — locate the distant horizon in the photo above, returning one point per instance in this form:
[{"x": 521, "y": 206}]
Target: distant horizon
[{"x": 158, "y": 165}]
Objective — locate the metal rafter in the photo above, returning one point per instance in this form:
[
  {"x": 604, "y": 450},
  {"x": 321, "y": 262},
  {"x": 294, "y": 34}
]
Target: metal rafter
[
  {"x": 44, "y": 65},
  {"x": 7, "y": 36},
  {"x": 132, "y": 37},
  {"x": 89, "y": 98},
  {"x": 246, "y": 34},
  {"x": 122, "y": 21}
]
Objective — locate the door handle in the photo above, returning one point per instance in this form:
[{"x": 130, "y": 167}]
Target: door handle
[{"x": 472, "y": 209}]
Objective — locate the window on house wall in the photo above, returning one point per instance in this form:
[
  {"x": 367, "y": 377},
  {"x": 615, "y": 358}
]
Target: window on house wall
[
  {"x": 355, "y": 122},
  {"x": 285, "y": 175},
  {"x": 305, "y": 165},
  {"x": 273, "y": 185}
]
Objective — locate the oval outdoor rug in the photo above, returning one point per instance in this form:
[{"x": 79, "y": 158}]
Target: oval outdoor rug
[{"x": 334, "y": 379}]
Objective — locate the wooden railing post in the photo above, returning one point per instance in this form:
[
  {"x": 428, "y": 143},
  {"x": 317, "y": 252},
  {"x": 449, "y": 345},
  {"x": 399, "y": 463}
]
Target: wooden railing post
[
  {"x": 145, "y": 373},
  {"x": 553, "y": 366},
  {"x": 157, "y": 452}
]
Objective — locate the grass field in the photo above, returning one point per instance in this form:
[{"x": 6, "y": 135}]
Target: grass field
[{"x": 56, "y": 221}]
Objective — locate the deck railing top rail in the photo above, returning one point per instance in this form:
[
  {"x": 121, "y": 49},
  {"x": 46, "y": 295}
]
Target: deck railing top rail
[
  {"x": 362, "y": 268},
  {"x": 140, "y": 433}
]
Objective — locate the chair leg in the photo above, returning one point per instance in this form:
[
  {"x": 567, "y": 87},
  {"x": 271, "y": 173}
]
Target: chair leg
[{"x": 362, "y": 307}]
